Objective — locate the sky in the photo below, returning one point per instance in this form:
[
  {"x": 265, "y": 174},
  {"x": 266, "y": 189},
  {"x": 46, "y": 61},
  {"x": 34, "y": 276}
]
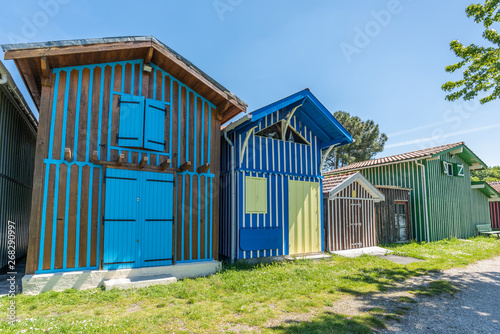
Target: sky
[{"x": 382, "y": 60}]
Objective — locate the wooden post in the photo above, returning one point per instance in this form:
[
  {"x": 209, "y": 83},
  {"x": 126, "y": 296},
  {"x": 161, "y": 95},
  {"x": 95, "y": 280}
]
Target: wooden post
[
  {"x": 95, "y": 156},
  {"x": 185, "y": 166},
  {"x": 120, "y": 160},
  {"x": 203, "y": 168},
  {"x": 144, "y": 162},
  {"x": 67, "y": 154},
  {"x": 44, "y": 65},
  {"x": 165, "y": 164}
]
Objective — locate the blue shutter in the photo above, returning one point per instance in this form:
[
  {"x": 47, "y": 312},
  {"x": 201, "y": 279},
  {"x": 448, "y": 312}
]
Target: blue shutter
[
  {"x": 130, "y": 132},
  {"x": 154, "y": 129}
]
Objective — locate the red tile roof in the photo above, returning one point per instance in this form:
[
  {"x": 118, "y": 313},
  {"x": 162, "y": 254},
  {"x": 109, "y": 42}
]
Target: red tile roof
[
  {"x": 495, "y": 185},
  {"x": 332, "y": 181},
  {"x": 394, "y": 158}
]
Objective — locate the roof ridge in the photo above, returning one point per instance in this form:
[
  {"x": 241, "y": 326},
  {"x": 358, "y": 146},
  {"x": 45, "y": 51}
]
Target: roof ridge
[{"x": 394, "y": 158}]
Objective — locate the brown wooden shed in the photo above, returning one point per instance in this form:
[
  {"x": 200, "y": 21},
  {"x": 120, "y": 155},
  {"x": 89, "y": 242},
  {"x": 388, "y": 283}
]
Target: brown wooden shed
[
  {"x": 393, "y": 216},
  {"x": 127, "y": 158},
  {"x": 349, "y": 212}
]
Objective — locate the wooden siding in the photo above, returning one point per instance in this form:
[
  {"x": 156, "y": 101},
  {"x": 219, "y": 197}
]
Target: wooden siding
[
  {"x": 449, "y": 198},
  {"x": 278, "y": 161},
  {"x": 495, "y": 214},
  {"x": 404, "y": 175},
  {"x": 454, "y": 207},
  {"x": 17, "y": 155},
  {"x": 385, "y": 213},
  {"x": 84, "y": 117},
  {"x": 350, "y": 222}
]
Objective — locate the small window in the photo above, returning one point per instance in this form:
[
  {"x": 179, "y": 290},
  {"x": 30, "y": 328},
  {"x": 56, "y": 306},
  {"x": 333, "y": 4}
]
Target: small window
[
  {"x": 142, "y": 123},
  {"x": 275, "y": 131},
  {"x": 256, "y": 194},
  {"x": 459, "y": 170},
  {"x": 154, "y": 125},
  {"x": 130, "y": 133},
  {"x": 447, "y": 168}
]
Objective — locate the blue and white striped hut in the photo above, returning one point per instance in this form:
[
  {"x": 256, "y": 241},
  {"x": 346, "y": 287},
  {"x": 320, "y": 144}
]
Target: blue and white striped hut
[{"x": 271, "y": 184}]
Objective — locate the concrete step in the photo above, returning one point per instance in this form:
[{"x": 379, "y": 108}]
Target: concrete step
[{"x": 138, "y": 282}]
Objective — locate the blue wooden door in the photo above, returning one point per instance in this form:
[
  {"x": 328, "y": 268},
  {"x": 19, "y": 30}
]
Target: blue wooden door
[
  {"x": 121, "y": 223},
  {"x": 157, "y": 219},
  {"x": 138, "y": 219}
]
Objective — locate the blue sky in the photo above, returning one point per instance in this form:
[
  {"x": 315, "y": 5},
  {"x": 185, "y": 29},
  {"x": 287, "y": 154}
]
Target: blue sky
[{"x": 381, "y": 60}]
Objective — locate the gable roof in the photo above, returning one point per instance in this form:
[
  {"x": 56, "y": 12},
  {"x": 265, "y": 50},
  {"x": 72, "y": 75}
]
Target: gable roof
[
  {"x": 8, "y": 85},
  {"x": 103, "y": 50},
  {"x": 334, "y": 184},
  {"x": 487, "y": 190},
  {"x": 312, "y": 113},
  {"x": 460, "y": 149},
  {"x": 495, "y": 185}
]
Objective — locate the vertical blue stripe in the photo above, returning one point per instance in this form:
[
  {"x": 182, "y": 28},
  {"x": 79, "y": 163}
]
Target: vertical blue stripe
[
  {"x": 199, "y": 217},
  {"x": 179, "y": 110},
  {"x": 195, "y": 131},
  {"x": 211, "y": 217},
  {"x": 209, "y": 136},
  {"x": 77, "y": 115},
  {"x": 123, "y": 78},
  {"x": 54, "y": 218},
  {"x": 78, "y": 212},
  {"x": 191, "y": 217},
  {"x": 140, "y": 78},
  {"x": 182, "y": 215},
  {"x": 101, "y": 98},
  {"x": 206, "y": 225},
  {"x": 53, "y": 119},
  {"x": 154, "y": 84},
  {"x": 98, "y": 253},
  {"x": 89, "y": 217},
  {"x": 132, "y": 77},
  {"x": 44, "y": 217},
  {"x": 171, "y": 109},
  {"x": 110, "y": 112},
  {"x": 202, "y": 148},
  {"x": 66, "y": 215},
  {"x": 89, "y": 114},
  {"x": 187, "y": 125}
]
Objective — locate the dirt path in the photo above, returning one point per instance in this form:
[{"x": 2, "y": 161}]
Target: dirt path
[{"x": 475, "y": 309}]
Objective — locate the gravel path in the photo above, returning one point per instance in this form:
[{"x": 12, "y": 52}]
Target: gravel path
[{"x": 475, "y": 309}]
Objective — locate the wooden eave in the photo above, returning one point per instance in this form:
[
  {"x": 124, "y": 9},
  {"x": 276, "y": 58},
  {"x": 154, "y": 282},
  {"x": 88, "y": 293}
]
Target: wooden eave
[{"x": 28, "y": 62}]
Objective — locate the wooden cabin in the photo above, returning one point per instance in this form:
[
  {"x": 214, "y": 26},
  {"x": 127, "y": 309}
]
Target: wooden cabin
[
  {"x": 349, "y": 214},
  {"x": 444, "y": 202},
  {"x": 271, "y": 182},
  {"x": 393, "y": 216},
  {"x": 18, "y": 127},
  {"x": 127, "y": 159},
  {"x": 495, "y": 207}
]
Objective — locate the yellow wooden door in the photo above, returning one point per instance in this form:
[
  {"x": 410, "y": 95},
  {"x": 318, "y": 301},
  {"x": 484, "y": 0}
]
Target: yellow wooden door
[{"x": 304, "y": 228}]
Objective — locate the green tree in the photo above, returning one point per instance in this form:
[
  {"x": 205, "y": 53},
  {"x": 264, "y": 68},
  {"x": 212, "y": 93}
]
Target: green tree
[
  {"x": 488, "y": 174},
  {"x": 368, "y": 142},
  {"x": 480, "y": 64}
]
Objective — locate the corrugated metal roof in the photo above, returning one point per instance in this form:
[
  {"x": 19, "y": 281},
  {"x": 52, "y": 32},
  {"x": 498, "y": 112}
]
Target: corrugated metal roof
[
  {"x": 495, "y": 185},
  {"x": 13, "y": 91},
  {"x": 428, "y": 152}
]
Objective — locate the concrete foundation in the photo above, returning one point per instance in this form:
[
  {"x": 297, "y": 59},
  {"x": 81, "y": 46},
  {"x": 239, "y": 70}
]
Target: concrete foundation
[{"x": 90, "y": 279}]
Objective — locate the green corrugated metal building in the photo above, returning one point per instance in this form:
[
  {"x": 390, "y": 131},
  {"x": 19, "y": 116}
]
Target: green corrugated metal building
[{"x": 444, "y": 202}]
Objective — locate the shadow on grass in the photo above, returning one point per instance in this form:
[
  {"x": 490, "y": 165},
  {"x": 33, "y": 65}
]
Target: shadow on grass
[
  {"x": 330, "y": 322},
  {"x": 382, "y": 279}
]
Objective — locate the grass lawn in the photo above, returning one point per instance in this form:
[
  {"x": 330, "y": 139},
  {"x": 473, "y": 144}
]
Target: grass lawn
[{"x": 244, "y": 297}]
